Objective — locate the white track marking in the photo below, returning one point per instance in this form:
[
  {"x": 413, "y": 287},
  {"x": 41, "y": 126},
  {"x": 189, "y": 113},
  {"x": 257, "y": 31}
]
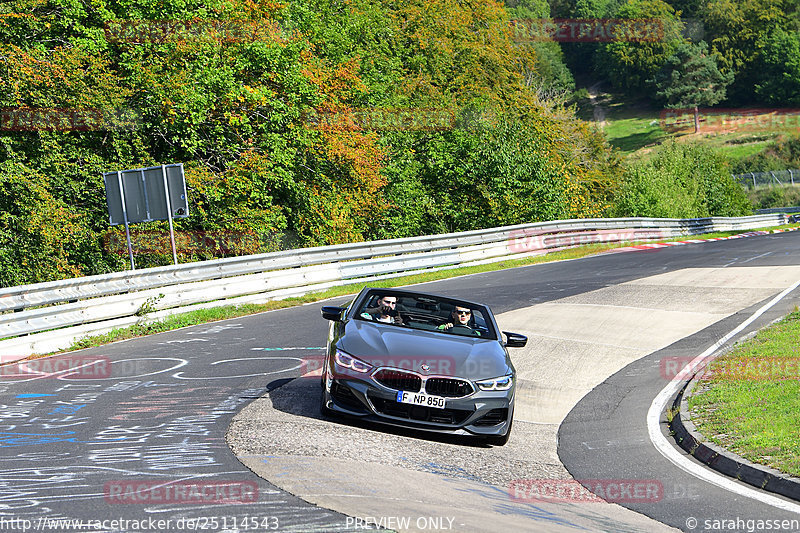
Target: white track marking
[
  {"x": 179, "y": 375},
  {"x": 681, "y": 461},
  {"x": 180, "y": 363}
]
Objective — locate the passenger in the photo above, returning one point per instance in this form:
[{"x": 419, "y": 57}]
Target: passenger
[
  {"x": 462, "y": 317},
  {"x": 386, "y": 311}
]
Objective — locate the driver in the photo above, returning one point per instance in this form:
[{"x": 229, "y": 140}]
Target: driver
[
  {"x": 386, "y": 311},
  {"x": 461, "y": 317}
]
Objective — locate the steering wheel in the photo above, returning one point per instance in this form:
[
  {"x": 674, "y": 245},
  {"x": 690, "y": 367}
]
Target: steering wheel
[{"x": 463, "y": 330}]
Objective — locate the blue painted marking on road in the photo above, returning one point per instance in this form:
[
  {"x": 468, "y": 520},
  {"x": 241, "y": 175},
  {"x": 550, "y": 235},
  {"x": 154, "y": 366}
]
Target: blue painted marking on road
[
  {"x": 32, "y": 439},
  {"x": 33, "y": 395},
  {"x": 444, "y": 469},
  {"x": 66, "y": 409}
]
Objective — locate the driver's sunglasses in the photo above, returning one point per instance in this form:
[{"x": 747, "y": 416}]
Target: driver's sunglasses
[{"x": 464, "y": 312}]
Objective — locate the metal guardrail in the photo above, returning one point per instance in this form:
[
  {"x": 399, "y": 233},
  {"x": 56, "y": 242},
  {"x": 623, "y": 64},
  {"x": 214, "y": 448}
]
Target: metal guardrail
[
  {"x": 48, "y": 316},
  {"x": 773, "y": 210}
]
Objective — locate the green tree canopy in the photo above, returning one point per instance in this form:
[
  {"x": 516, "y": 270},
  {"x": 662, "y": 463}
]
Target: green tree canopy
[
  {"x": 690, "y": 78},
  {"x": 681, "y": 181},
  {"x": 234, "y": 89},
  {"x": 631, "y": 64},
  {"x": 779, "y": 63},
  {"x": 735, "y": 30}
]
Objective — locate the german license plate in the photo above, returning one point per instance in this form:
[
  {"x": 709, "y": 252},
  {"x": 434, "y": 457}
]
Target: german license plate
[{"x": 419, "y": 398}]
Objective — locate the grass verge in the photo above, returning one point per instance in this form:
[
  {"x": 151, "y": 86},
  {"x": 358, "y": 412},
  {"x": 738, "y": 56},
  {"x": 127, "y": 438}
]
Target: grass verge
[
  {"x": 232, "y": 311},
  {"x": 636, "y": 127},
  {"x": 749, "y": 403}
]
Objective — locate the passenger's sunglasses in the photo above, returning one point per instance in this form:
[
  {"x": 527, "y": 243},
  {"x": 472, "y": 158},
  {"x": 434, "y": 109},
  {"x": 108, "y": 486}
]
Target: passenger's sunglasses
[{"x": 464, "y": 312}]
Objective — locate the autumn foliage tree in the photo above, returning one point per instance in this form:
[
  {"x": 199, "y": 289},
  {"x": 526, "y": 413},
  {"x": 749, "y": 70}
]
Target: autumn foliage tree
[{"x": 235, "y": 89}]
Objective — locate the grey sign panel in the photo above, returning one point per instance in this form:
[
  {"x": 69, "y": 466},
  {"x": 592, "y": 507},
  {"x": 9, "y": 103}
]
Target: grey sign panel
[
  {"x": 113, "y": 198},
  {"x": 145, "y": 198}
]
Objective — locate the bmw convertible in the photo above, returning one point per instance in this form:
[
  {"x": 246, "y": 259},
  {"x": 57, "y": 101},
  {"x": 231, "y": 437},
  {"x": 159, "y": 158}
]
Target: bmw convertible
[{"x": 420, "y": 361}]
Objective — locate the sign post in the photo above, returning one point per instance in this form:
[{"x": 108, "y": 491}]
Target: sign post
[
  {"x": 125, "y": 218},
  {"x": 169, "y": 214}
]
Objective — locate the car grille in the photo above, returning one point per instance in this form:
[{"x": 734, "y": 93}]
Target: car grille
[
  {"x": 344, "y": 396},
  {"x": 493, "y": 417},
  {"x": 448, "y": 387},
  {"x": 418, "y": 412},
  {"x": 398, "y": 380}
]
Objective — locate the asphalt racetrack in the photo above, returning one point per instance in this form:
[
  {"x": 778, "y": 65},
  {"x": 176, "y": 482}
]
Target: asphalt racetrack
[{"x": 132, "y": 436}]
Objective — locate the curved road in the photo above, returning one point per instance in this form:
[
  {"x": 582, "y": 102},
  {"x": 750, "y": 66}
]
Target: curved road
[{"x": 137, "y": 434}]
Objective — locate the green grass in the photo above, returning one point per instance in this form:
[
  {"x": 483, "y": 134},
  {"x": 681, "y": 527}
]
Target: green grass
[
  {"x": 740, "y": 151},
  {"x": 224, "y": 312},
  {"x": 633, "y": 127},
  {"x": 629, "y": 130},
  {"x": 629, "y": 125},
  {"x": 750, "y": 401}
]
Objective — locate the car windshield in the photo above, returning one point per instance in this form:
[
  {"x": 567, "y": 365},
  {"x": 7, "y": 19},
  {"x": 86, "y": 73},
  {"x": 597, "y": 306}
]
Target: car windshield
[{"x": 425, "y": 312}]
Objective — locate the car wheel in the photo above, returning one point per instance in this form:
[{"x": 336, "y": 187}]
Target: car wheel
[
  {"x": 323, "y": 408},
  {"x": 500, "y": 440}
]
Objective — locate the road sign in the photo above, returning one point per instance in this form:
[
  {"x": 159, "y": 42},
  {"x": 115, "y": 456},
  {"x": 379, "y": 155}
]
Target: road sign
[
  {"x": 146, "y": 195},
  {"x": 145, "y": 198}
]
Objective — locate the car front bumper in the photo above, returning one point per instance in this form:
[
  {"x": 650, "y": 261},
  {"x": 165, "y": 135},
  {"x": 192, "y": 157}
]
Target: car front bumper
[{"x": 482, "y": 413}]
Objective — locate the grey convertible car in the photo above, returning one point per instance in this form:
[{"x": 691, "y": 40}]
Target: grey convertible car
[{"x": 418, "y": 360}]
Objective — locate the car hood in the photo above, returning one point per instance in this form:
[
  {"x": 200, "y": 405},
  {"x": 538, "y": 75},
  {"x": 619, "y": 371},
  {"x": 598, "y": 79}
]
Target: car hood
[{"x": 409, "y": 349}]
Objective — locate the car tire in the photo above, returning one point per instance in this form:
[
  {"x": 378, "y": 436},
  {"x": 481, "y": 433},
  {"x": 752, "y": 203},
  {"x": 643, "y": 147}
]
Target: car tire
[
  {"x": 323, "y": 408},
  {"x": 500, "y": 440}
]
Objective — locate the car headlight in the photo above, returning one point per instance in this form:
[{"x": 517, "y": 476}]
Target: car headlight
[
  {"x": 348, "y": 361},
  {"x": 503, "y": 383}
]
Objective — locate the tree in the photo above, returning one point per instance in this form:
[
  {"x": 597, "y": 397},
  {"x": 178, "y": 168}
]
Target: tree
[
  {"x": 735, "y": 30},
  {"x": 235, "y": 90},
  {"x": 691, "y": 78},
  {"x": 630, "y": 62},
  {"x": 682, "y": 180},
  {"x": 780, "y": 67}
]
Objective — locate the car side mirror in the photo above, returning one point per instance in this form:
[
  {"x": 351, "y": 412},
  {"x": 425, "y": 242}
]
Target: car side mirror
[
  {"x": 515, "y": 340},
  {"x": 330, "y": 312}
]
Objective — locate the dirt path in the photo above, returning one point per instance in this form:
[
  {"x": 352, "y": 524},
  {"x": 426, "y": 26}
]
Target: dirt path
[{"x": 599, "y": 114}]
